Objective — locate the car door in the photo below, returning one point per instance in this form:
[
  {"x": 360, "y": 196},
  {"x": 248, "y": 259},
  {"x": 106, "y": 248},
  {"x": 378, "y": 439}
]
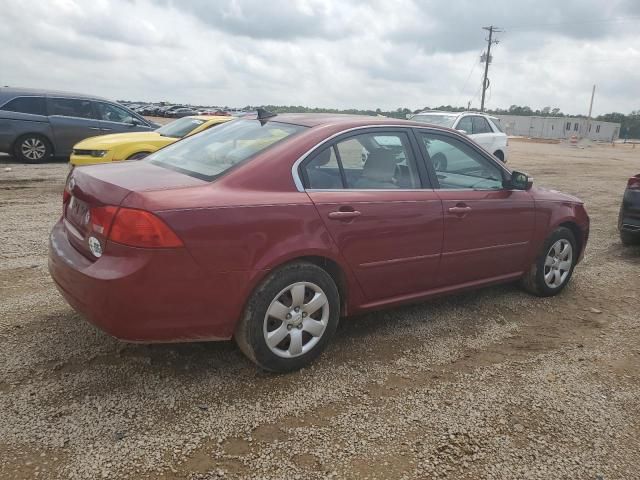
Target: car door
[
  {"x": 375, "y": 201},
  {"x": 115, "y": 119},
  {"x": 488, "y": 227},
  {"x": 72, "y": 120}
]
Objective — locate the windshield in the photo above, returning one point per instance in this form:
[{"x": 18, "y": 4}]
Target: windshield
[
  {"x": 435, "y": 119},
  {"x": 180, "y": 128},
  {"x": 214, "y": 151}
]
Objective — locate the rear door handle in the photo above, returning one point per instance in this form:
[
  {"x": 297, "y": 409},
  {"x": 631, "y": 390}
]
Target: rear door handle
[
  {"x": 459, "y": 210},
  {"x": 94, "y": 128},
  {"x": 344, "y": 215}
]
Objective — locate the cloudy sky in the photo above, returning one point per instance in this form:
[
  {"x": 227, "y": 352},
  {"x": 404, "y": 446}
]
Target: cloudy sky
[{"x": 328, "y": 53}]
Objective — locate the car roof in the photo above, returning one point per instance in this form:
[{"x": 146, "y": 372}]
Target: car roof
[
  {"x": 337, "y": 120},
  {"x": 10, "y": 92}
]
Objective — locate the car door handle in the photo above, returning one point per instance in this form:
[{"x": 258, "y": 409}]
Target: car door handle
[
  {"x": 457, "y": 210},
  {"x": 344, "y": 215},
  {"x": 94, "y": 128}
]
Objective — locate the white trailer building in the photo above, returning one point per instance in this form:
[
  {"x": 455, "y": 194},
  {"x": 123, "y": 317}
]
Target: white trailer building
[{"x": 559, "y": 127}]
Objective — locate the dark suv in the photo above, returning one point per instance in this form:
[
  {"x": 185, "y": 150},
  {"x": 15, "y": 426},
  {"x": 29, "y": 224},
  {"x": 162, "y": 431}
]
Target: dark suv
[
  {"x": 36, "y": 124},
  {"x": 629, "y": 220}
]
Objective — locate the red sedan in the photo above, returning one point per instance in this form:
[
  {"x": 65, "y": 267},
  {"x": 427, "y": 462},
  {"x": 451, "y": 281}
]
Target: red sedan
[{"x": 270, "y": 229}]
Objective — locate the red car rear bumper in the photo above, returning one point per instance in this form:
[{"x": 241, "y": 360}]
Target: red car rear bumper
[{"x": 144, "y": 295}]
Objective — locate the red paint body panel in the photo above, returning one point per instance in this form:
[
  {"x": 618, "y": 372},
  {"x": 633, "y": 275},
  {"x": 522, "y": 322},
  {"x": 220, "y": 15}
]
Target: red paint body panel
[{"x": 403, "y": 246}]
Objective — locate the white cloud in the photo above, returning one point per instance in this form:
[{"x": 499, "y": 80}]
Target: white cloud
[{"x": 363, "y": 54}]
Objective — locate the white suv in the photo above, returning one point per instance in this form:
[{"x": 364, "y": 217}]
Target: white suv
[{"x": 485, "y": 130}]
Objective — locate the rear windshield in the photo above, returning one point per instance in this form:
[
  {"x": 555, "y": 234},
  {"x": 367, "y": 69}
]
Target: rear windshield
[
  {"x": 435, "y": 119},
  {"x": 211, "y": 153},
  {"x": 180, "y": 128}
]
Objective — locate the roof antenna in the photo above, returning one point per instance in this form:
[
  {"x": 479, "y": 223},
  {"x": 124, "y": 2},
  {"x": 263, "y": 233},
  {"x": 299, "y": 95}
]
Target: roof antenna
[{"x": 263, "y": 115}]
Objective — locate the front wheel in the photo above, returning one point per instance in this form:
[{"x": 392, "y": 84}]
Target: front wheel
[
  {"x": 32, "y": 148},
  {"x": 290, "y": 318},
  {"x": 553, "y": 267}
]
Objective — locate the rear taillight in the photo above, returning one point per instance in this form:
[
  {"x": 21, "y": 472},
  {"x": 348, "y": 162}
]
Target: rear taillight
[
  {"x": 139, "y": 228},
  {"x": 634, "y": 183},
  {"x": 101, "y": 218}
]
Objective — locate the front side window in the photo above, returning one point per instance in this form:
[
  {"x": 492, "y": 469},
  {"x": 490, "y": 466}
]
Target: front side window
[
  {"x": 498, "y": 126},
  {"x": 212, "y": 152},
  {"x": 111, "y": 113},
  {"x": 180, "y": 128},
  {"x": 465, "y": 124},
  {"x": 458, "y": 166},
  {"x": 31, "y": 105},
  {"x": 480, "y": 125},
  {"x": 70, "y": 107}
]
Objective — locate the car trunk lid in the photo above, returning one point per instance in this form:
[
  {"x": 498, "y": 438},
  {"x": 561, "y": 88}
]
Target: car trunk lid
[{"x": 93, "y": 189}]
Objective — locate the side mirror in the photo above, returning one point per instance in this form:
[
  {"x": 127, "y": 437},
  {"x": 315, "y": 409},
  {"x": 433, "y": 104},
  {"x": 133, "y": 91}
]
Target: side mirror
[
  {"x": 520, "y": 181},
  {"x": 135, "y": 122},
  {"x": 464, "y": 132}
]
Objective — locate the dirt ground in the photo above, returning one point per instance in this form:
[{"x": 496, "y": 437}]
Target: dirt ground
[{"x": 492, "y": 384}]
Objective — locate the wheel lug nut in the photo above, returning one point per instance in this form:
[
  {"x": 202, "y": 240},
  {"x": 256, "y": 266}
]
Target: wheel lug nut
[
  {"x": 289, "y": 327},
  {"x": 288, "y": 316},
  {"x": 299, "y": 326},
  {"x": 297, "y": 309},
  {"x": 304, "y": 314}
]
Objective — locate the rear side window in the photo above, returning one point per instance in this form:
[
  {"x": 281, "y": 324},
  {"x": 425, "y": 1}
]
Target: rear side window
[
  {"x": 70, "y": 107},
  {"x": 380, "y": 161},
  {"x": 31, "y": 105},
  {"x": 480, "y": 125}
]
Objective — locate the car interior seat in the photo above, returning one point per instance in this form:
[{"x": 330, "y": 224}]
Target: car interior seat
[{"x": 378, "y": 171}]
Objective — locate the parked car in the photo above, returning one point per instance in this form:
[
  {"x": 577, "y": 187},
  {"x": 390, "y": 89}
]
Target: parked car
[
  {"x": 167, "y": 110},
  {"x": 36, "y": 124},
  {"x": 181, "y": 112},
  {"x": 137, "y": 145},
  {"x": 629, "y": 218},
  {"x": 270, "y": 229},
  {"x": 483, "y": 129}
]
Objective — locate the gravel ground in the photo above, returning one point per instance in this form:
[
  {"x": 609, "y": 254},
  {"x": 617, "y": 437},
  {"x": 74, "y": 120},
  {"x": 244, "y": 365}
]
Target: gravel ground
[{"x": 490, "y": 384}]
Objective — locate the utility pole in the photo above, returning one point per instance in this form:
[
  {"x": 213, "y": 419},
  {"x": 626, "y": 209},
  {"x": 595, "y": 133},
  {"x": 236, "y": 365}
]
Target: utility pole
[
  {"x": 487, "y": 60},
  {"x": 593, "y": 94}
]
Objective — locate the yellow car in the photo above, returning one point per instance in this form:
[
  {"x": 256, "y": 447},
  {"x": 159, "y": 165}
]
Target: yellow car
[{"x": 137, "y": 145}]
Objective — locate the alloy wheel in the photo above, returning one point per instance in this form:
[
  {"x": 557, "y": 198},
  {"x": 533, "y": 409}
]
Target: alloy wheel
[
  {"x": 557, "y": 263},
  {"x": 33, "y": 148},
  {"x": 296, "y": 319}
]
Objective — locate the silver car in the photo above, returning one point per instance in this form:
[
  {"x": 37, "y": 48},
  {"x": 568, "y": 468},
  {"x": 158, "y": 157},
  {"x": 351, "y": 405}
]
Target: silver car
[{"x": 37, "y": 124}]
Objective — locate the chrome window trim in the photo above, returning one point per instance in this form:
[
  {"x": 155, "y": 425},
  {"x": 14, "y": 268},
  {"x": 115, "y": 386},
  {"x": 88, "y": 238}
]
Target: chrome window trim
[{"x": 298, "y": 181}]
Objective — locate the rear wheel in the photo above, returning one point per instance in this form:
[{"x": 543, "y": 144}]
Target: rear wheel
[
  {"x": 32, "y": 148},
  {"x": 553, "y": 267},
  {"x": 290, "y": 318}
]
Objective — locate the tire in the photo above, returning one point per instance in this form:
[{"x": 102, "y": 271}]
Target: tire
[
  {"x": 297, "y": 347},
  {"x": 499, "y": 155},
  {"x": 32, "y": 148},
  {"x": 138, "y": 156},
  {"x": 628, "y": 238},
  {"x": 540, "y": 280}
]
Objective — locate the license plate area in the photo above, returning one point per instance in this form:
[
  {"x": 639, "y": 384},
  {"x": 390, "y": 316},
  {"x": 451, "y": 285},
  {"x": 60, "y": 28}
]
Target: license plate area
[{"x": 78, "y": 212}]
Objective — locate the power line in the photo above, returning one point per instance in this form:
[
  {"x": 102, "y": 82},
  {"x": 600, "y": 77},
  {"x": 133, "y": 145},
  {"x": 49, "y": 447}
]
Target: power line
[
  {"x": 473, "y": 69},
  {"x": 624, "y": 19}
]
